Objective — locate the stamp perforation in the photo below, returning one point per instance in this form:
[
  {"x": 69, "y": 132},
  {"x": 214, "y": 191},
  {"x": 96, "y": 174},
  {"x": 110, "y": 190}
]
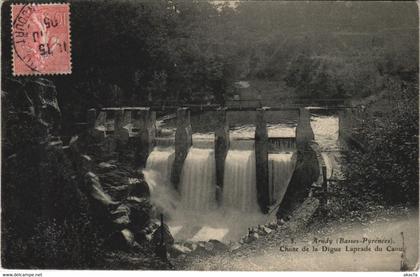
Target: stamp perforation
[{"x": 14, "y": 52}]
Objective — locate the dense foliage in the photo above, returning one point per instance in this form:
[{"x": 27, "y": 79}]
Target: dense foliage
[
  {"x": 136, "y": 53},
  {"x": 386, "y": 170}
]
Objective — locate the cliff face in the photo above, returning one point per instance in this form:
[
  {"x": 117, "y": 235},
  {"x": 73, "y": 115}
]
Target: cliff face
[
  {"x": 45, "y": 219},
  {"x": 63, "y": 205}
]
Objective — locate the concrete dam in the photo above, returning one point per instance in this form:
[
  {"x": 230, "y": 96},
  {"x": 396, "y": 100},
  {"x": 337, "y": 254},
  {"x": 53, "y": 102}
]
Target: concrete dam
[{"x": 217, "y": 183}]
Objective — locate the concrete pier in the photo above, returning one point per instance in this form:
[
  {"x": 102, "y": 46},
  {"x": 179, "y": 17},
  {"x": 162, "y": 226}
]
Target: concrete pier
[
  {"x": 342, "y": 118},
  {"x": 345, "y": 121},
  {"x": 146, "y": 140},
  {"x": 96, "y": 124},
  {"x": 91, "y": 118},
  {"x": 101, "y": 120},
  {"x": 183, "y": 142},
  {"x": 221, "y": 147},
  {"x": 127, "y": 117},
  {"x": 261, "y": 160},
  {"x": 304, "y": 132},
  {"x": 120, "y": 133}
]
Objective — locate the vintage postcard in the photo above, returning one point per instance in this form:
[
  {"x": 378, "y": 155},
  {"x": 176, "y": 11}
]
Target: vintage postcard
[{"x": 210, "y": 135}]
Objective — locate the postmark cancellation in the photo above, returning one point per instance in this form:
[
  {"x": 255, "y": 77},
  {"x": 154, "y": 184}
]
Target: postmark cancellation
[{"x": 41, "y": 39}]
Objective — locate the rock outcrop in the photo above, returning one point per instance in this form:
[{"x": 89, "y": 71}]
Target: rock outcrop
[
  {"x": 117, "y": 192},
  {"x": 45, "y": 215},
  {"x": 62, "y": 205}
]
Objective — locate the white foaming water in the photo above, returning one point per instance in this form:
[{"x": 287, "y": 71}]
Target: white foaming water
[
  {"x": 326, "y": 131},
  {"x": 281, "y": 130},
  {"x": 198, "y": 182},
  {"x": 157, "y": 175},
  {"x": 221, "y": 224},
  {"x": 280, "y": 171},
  {"x": 242, "y": 137},
  {"x": 192, "y": 214},
  {"x": 283, "y": 144},
  {"x": 239, "y": 183},
  {"x": 203, "y": 140},
  {"x": 243, "y": 132},
  {"x": 328, "y": 159},
  {"x": 160, "y": 160},
  {"x": 165, "y": 142}
]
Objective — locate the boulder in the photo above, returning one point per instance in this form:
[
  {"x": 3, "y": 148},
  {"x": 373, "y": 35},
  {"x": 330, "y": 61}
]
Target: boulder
[
  {"x": 74, "y": 144},
  {"x": 234, "y": 246},
  {"x": 140, "y": 209},
  {"x": 263, "y": 230},
  {"x": 105, "y": 167},
  {"x": 121, "y": 215},
  {"x": 191, "y": 245},
  {"x": 43, "y": 96},
  {"x": 251, "y": 237},
  {"x": 272, "y": 225},
  {"x": 121, "y": 240},
  {"x": 128, "y": 235},
  {"x": 153, "y": 225},
  {"x": 254, "y": 236},
  {"x": 86, "y": 163},
  {"x": 168, "y": 239},
  {"x": 146, "y": 233},
  {"x": 138, "y": 187},
  {"x": 148, "y": 237},
  {"x": 197, "y": 248},
  {"x": 96, "y": 191},
  {"x": 208, "y": 246},
  {"x": 178, "y": 249},
  {"x": 218, "y": 245}
]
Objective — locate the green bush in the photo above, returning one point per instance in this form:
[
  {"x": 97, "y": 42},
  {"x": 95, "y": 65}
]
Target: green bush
[{"x": 387, "y": 170}]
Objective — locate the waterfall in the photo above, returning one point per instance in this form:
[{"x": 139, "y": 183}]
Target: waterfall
[
  {"x": 282, "y": 144},
  {"x": 239, "y": 185},
  {"x": 165, "y": 141},
  {"x": 280, "y": 171},
  {"x": 326, "y": 131},
  {"x": 203, "y": 140},
  {"x": 157, "y": 175},
  {"x": 160, "y": 161},
  {"x": 198, "y": 182},
  {"x": 326, "y": 128}
]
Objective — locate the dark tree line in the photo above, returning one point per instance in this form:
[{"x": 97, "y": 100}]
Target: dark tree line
[{"x": 137, "y": 52}]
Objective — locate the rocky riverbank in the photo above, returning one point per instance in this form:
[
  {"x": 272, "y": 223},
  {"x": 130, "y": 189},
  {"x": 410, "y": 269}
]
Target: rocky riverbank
[
  {"x": 73, "y": 205},
  {"x": 282, "y": 248}
]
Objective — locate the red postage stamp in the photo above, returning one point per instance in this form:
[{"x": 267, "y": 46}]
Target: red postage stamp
[{"x": 41, "y": 39}]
